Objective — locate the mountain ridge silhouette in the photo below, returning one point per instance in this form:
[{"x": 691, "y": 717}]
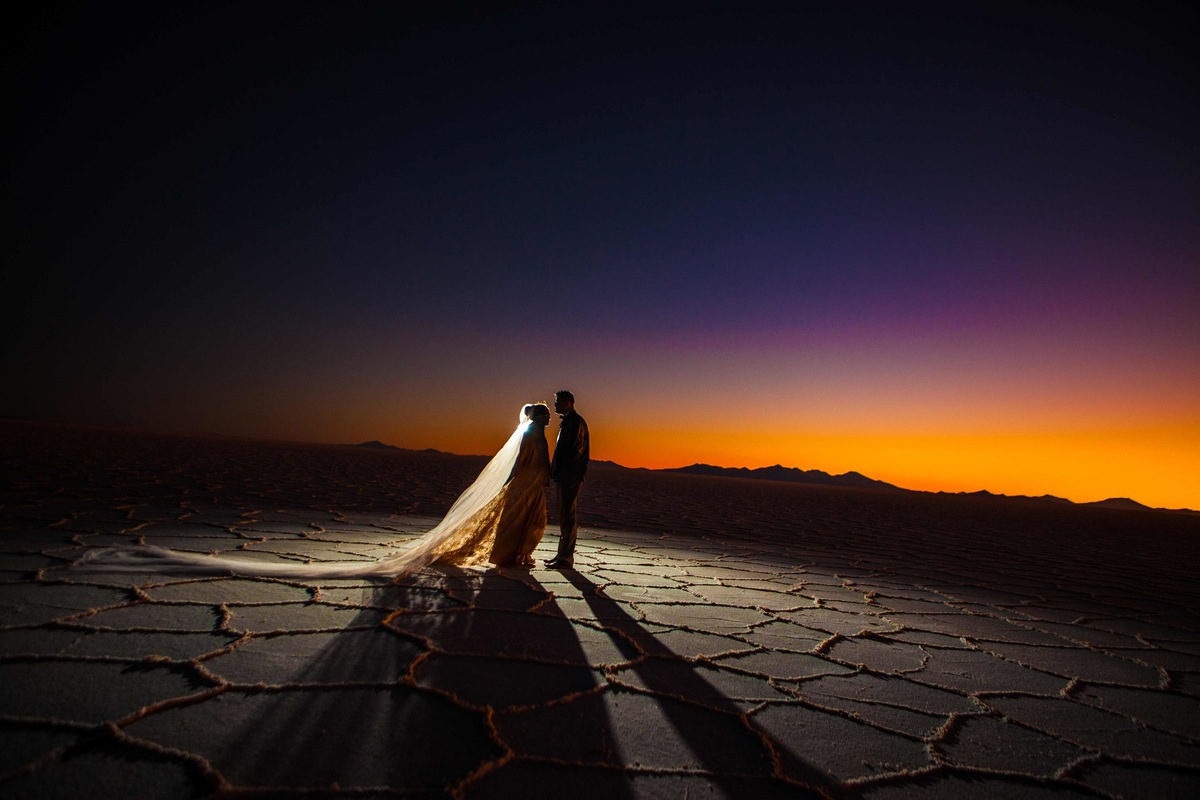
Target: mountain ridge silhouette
[{"x": 852, "y": 479}]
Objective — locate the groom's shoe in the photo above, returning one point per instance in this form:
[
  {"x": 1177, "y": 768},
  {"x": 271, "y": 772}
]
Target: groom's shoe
[{"x": 560, "y": 563}]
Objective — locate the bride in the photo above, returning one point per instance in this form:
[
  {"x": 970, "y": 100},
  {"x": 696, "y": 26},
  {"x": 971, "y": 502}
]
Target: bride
[{"x": 499, "y": 519}]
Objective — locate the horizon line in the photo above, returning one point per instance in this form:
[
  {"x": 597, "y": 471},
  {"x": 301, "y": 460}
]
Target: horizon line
[{"x": 1046, "y": 496}]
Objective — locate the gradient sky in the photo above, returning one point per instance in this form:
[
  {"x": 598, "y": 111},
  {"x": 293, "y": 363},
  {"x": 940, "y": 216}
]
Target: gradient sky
[{"x": 951, "y": 246}]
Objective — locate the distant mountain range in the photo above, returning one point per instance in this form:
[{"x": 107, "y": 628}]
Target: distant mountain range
[
  {"x": 375, "y": 444},
  {"x": 860, "y": 481},
  {"x": 854, "y": 480},
  {"x": 378, "y": 445},
  {"x": 789, "y": 474},
  {"x": 1123, "y": 503}
]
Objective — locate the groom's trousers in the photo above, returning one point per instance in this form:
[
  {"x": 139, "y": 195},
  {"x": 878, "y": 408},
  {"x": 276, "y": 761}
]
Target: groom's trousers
[{"x": 568, "y": 500}]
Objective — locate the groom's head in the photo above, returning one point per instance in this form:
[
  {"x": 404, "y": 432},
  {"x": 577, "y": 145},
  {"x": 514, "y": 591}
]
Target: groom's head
[{"x": 564, "y": 401}]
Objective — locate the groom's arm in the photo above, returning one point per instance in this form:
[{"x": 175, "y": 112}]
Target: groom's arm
[{"x": 582, "y": 449}]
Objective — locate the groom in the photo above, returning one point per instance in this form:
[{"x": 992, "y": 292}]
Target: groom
[{"x": 568, "y": 468}]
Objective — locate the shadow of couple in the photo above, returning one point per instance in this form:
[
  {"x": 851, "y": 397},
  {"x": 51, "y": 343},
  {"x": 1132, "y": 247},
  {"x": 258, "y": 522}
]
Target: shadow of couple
[{"x": 488, "y": 685}]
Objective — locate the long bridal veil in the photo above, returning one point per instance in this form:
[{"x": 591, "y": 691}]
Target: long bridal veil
[{"x": 462, "y": 537}]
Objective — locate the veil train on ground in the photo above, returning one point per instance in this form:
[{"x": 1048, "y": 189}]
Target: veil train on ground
[{"x": 463, "y": 537}]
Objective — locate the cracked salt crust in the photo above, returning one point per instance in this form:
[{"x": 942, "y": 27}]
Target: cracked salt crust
[{"x": 822, "y": 643}]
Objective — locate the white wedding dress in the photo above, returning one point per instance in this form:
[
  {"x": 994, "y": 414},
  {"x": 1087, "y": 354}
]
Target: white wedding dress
[{"x": 495, "y": 520}]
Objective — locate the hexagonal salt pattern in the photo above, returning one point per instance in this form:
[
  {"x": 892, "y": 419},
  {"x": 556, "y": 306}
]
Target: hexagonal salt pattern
[{"x": 808, "y": 643}]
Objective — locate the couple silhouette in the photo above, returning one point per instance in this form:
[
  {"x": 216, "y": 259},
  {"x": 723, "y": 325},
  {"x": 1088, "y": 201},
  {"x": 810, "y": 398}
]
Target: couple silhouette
[
  {"x": 502, "y": 523},
  {"x": 499, "y": 519},
  {"x": 521, "y": 518}
]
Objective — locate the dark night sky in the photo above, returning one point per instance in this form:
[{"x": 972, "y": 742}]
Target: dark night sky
[{"x": 948, "y": 245}]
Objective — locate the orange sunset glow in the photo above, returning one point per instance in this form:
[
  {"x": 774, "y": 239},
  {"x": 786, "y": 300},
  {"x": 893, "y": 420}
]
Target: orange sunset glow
[{"x": 953, "y": 252}]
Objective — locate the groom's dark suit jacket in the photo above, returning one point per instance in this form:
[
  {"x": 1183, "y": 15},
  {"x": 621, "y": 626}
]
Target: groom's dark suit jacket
[{"x": 571, "y": 450}]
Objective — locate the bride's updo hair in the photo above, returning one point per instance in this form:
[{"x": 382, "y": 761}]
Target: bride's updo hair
[{"x": 538, "y": 412}]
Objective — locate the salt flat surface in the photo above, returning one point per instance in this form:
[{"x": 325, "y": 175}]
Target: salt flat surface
[{"x": 718, "y": 638}]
